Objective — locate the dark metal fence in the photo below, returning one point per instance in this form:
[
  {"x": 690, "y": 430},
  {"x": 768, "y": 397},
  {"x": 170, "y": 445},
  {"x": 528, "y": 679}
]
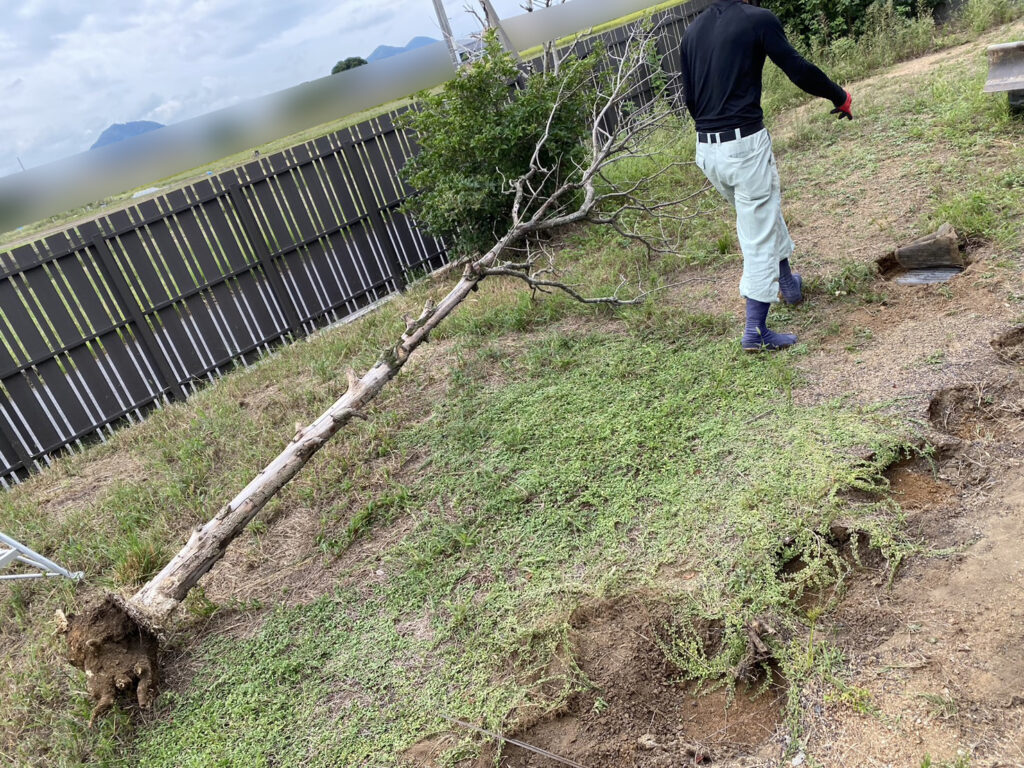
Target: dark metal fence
[
  {"x": 118, "y": 315},
  {"x": 111, "y": 318}
]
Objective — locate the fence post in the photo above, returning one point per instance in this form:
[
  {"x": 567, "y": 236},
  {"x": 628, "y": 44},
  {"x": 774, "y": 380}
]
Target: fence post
[
  {"x": 259, "y": 245},
  {"x": 145, "y": 334}
]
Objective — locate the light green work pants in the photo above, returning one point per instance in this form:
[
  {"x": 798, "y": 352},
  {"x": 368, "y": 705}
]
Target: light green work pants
[{"x": 744, "y": 171}]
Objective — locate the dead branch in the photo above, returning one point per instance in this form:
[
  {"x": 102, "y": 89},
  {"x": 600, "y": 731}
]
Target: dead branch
[{"x": 585, "y": 193}]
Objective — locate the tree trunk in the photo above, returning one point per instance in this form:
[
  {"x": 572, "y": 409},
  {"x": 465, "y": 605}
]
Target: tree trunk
[
  {"x": 164, "y": 592},
  {"x": 116, "y": 640}
]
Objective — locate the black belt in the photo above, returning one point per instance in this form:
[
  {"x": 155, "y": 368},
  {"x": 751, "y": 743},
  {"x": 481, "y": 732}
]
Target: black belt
[{"x": 723, "y": 136}]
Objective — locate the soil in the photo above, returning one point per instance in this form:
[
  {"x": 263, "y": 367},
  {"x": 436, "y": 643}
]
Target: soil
[
  {"x": 116, "y": 653},
  {"x": 940, "y": 654},
  {"x": 639, "y": 713}
]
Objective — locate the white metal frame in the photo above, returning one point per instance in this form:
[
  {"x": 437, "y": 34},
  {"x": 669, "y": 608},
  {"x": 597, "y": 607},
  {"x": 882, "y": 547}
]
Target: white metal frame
[{"x": 19, "y": 553}]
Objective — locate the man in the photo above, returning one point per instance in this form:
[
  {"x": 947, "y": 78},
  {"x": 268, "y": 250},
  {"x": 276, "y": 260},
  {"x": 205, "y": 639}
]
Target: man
[{"x": 723, "y": 54}]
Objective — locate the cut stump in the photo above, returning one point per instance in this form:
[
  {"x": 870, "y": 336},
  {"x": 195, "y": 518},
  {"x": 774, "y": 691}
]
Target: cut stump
[{"x": 939, "y": 249}]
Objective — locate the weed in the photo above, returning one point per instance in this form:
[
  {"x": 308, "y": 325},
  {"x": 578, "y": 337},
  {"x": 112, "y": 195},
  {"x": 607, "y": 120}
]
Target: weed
[
  {"x": 832, "y": 329},
  {"x": 960, "y": 761},
  {"x": 379, "y": 510},
  {"x": 857, "y": 699},
  {"x": 665, "y": 323},
  {"x": 137, "y": 559},
  {"x": 979, "y": 15},
  {"x": 861, "y": 337},
  {"x": 888, "y": 37},
  {"x": 942, "y": 706},
  {"x": 854, "y": 279},
  {"x": 977, "y": 213},
  {"x": 199, "y": 604}
]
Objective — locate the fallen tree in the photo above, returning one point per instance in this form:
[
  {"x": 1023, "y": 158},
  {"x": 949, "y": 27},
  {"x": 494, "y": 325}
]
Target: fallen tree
[{"x": 116, "y": 641}]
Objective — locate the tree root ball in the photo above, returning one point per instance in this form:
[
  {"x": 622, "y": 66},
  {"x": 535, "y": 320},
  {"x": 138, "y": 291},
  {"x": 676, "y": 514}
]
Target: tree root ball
[{"x": 116, "y": 652}]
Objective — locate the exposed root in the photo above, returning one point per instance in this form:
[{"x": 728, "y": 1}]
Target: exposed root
[
  {"x": 759, "y": 654},
  {"x": 116, "y": 650},
  {"x": 1010, "y": 345}
]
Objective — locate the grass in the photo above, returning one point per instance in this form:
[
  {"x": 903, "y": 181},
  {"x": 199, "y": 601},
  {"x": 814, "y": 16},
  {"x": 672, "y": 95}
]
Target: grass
[
  {"x": 559, "y": 466},
  {"x": 941, "y": 706},
  {"x": 550, "y": 454},
  {"x": 888, "y": 38},
  {"x": 584, "y": 469}
]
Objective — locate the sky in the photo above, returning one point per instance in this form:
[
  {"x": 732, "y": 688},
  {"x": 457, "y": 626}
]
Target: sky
[{"x": 70, "y": 68}]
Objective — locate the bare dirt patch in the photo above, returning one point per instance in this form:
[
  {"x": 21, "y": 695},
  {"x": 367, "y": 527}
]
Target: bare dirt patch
[
  {"x": 948, "y": 678},
  {"x": 72, "y": 485},
  {"x": 637, "y": 711}
]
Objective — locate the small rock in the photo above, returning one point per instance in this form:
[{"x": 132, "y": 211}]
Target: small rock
[
  {"x": 799, "y": 759},
  {"x": 647, "y": 741}
]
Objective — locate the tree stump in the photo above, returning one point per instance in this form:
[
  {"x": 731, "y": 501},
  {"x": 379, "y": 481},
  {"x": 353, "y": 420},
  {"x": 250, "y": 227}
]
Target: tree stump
[{"x": 939, "y": 249}]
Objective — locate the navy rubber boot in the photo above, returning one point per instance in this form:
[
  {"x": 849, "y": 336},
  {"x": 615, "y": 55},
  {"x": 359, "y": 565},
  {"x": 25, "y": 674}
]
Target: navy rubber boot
[
  {"x": 791, "y": 285},
  {"x": 756, "y": 336}
]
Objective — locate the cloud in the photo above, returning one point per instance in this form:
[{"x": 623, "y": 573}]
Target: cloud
[
  {"x": 74, "y": 68},
  {"x": 166, "y": 112}
]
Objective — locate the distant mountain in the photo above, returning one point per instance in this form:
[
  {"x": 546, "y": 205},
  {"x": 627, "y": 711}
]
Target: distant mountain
[
  {"x": 120, "y": 131},
  {"x": 386, "y": 51}
]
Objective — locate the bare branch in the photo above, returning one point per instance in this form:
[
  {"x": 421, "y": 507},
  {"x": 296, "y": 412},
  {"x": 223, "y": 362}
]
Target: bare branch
[{"x": 547, "y": 286}]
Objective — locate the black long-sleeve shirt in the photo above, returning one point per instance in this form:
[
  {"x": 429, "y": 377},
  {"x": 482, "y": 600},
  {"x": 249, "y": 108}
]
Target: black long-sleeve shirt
[{"x": 722, "y": 57}]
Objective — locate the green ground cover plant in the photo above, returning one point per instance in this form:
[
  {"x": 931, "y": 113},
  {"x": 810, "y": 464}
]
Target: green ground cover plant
[{"x": 581, "y": 469}]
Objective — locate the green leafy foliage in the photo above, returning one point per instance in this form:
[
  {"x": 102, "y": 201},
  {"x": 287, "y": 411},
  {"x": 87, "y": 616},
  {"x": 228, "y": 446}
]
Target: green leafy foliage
[
  {"x": 350, "y": 63},
  {"x": 829, "y": 19},
  {"x": 477, "y": 133}
]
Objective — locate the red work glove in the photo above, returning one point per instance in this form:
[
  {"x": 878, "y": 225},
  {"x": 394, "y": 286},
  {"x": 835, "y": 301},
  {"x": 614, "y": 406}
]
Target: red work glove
[{"x": 843, "y": 110}]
